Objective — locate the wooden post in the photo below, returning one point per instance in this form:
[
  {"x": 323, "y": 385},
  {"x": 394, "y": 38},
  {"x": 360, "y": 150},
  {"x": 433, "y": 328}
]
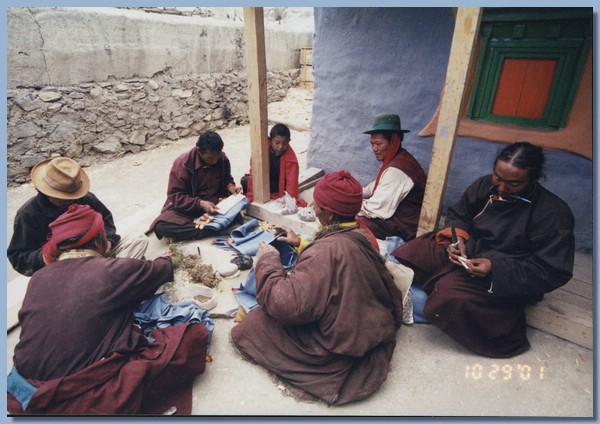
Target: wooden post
[
  {"x": 461, "y": 53},
  {"x": 254, "y": 27}
]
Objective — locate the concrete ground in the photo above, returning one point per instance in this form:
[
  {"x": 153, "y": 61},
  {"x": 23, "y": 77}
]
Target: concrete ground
[{"x": 431, "y": 375}]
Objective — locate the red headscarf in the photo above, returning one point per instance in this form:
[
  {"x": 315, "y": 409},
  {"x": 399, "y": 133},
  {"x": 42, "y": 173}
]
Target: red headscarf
[
  {"x": 393, "y": 148},
  {"x": 339, "y": 192},
  {"x": 74, "y": 228}
]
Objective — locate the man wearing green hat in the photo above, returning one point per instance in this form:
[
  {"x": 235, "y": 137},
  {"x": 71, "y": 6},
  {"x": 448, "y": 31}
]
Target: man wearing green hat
[{"x": 392, "y": 203}]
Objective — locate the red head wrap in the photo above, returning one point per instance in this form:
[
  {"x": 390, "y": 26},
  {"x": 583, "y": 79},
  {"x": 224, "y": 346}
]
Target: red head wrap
[
  {"x": 74, "y": 228},
  {"x": 339, "y": 192}
]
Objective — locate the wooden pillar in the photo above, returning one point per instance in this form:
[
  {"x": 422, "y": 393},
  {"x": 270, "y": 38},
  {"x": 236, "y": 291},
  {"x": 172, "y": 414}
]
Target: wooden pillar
[
  {"x": 461, "y": 54},
  {"x": 254, "y": 27}
]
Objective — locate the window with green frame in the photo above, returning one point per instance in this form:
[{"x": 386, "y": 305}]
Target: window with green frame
[{"x": 529, "y": 65}]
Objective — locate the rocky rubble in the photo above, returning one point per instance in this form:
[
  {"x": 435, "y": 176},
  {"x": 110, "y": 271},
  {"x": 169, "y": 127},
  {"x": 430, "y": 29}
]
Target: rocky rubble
[{"x": 100, "y": 121}]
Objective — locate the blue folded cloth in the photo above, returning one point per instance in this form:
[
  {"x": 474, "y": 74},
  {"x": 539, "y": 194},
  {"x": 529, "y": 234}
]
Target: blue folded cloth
[
  {"x": 158, "y": 312},
  {"x": 246, "y": 293},
  {"x": 221, "y": 221},
  {"x": 246, "y": 238},
  {"x": 20, "y": 388}
]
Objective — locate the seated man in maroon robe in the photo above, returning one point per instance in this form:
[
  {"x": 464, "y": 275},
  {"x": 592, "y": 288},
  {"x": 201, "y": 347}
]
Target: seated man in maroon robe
[
  {"x": 514, "y": 243},
  {"x": 198, "y": 181},
  {"x": 328, "y": 327},
  {"x": 79, "y": 351}
]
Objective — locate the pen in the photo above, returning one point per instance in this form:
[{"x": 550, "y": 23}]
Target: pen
[{"x": 454, "y": 237}]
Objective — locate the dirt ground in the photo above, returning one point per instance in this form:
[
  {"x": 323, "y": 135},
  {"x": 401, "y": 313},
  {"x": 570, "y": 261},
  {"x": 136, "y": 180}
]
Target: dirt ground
[
  {"x": 147, "y": 188},
  {"x": 431, "y": 375}
]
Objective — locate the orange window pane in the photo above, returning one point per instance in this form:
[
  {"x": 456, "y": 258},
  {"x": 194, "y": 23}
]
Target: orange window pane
[{"x": 523, "y": 87}]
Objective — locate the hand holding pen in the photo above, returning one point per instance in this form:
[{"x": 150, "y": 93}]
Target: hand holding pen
[
  {"x": 457, "y": 249},
  {"x": 476, "y": 267}
]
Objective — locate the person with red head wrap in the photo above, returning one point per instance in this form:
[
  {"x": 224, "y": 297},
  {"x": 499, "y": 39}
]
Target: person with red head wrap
[
  {"x": 79, "y": 351},
  {"x": 392, "y": 203},
  {"x": 339, "y": 192},
  {"x": 75, "y": 228},
  {"x": 327, "y": 327},
  {"x": 61, "y": 182}
]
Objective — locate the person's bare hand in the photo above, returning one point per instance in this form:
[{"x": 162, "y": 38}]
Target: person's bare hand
[
  {"x": 455, "y": 251},
  {"x": 235, "y": 190},
  {"x": 264, "y": 248},
  {"x": 290, "y": 236},
  {"x": 209, "y": 207},
  {"x": 480, "y": 267}
]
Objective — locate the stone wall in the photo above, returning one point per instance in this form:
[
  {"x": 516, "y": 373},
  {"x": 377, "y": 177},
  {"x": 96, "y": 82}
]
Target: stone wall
[
  {"x": 96, "y": 83},
  {"x": 98, "y": 121}
]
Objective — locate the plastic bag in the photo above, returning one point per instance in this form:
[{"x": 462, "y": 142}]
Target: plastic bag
[
  {"x": 307, "y": 214},
  {"x": 289, "y": 204}
]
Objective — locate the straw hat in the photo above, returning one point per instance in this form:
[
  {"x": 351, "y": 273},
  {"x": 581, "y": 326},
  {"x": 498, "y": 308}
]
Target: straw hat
[{"x": 60, "y": 177}]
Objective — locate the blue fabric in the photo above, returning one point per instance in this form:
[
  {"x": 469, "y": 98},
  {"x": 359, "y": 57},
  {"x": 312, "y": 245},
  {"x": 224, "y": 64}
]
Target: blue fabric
[
  {"x": 246, "y": 238},
  {"x": 246, "y": 293},
  {"x": 157, "y": 312},
  {"x": 419, "y": 299},
  {"x": 391, "y": 244},
  {"x": 418, "y": 295},
  {"x": 287, "y": 254},
  {"x": 221, "y": 221},
  {"x": 20, "y": 388}
]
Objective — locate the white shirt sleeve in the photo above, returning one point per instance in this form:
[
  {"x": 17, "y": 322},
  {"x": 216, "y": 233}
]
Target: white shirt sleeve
[
  {"x": 368, "y": 190},
  {"x": 393, "y": 187}
]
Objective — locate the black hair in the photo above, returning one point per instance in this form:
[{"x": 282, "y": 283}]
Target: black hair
[
  {"x": 280, "y": 130},
  {"x": 524, "y": 155},
  {"x": 209, "y": 140},
  {"x": 342, "y": 218},
  {"x": 98, "y": 243}
]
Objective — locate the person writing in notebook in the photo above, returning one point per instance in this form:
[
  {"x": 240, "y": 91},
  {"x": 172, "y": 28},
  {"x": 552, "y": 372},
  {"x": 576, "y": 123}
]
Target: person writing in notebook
[{"x": 198, "y": 180}]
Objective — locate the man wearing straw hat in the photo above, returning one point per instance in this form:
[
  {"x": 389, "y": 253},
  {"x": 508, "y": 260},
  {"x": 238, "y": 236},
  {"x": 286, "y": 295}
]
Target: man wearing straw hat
[{"x": 60, "y": 182}]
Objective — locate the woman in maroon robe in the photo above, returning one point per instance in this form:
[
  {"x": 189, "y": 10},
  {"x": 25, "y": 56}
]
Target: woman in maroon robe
[{"x": 328, "y": 328}]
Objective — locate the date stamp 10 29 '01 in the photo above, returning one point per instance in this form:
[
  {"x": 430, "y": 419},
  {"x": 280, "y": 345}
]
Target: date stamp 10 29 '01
[{"x": 504, "y": 372}]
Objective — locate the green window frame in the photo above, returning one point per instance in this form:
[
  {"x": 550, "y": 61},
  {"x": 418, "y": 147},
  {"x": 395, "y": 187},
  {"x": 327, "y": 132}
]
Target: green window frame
[{"x": 562, "y": 35}]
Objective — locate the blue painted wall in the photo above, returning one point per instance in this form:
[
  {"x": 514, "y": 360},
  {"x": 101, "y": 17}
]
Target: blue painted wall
[{"x": 377, "y": 60}]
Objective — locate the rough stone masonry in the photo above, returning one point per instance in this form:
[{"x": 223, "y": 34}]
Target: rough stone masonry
[
  {"x": 103, "y": 120},
  {"x": 98, "y": 83}
]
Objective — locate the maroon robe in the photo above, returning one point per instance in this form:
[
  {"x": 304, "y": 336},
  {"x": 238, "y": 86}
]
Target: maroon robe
[
  {"x": 148, "y": 381},
  {"x": 329, "y": 326},
  {"x": 191, "y": 181},
  {"x": 404, "y": 222},
  {"x": 79, "y": 346},
  {"x": 531, "y": 246}
]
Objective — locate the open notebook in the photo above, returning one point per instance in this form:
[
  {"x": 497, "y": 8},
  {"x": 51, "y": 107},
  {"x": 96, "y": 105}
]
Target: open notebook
[{"x": 226, "y": 204}]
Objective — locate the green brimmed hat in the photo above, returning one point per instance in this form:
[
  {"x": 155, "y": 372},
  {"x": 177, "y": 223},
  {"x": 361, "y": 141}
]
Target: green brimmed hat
[{"x": 386, "y": 122}]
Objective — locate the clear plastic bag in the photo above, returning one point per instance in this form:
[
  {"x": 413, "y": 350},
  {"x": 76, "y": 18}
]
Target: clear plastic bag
[
  {"x": 307, "y": 214},
  {"x": 289, "y": 204}
]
